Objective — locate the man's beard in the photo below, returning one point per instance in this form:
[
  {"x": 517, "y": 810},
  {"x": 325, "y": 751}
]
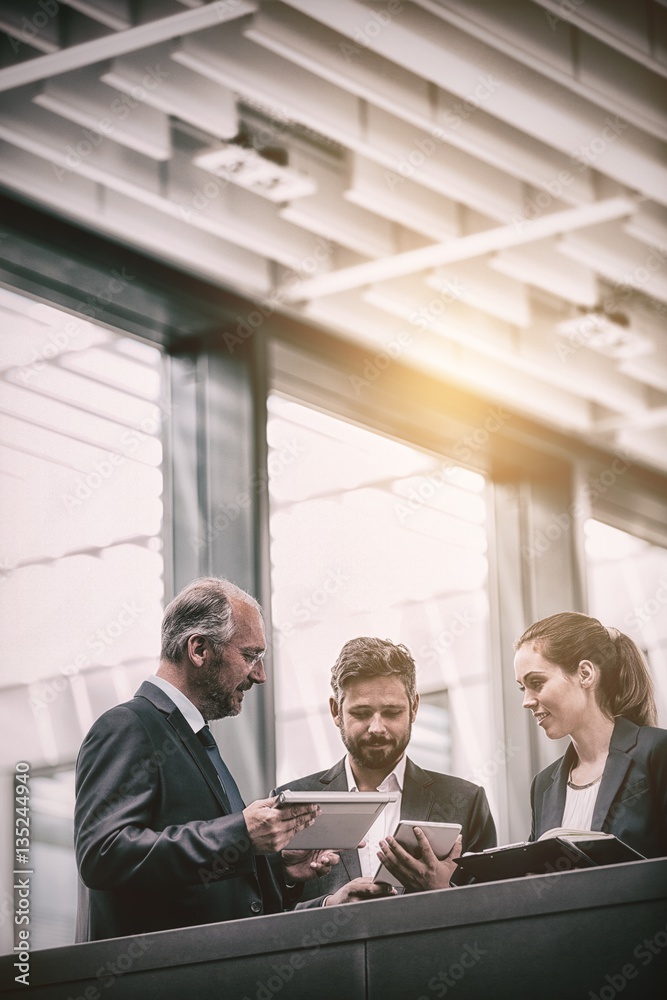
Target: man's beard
[
  {"x": 214, "y": 702},
  {"x": 375, "y": 754}
]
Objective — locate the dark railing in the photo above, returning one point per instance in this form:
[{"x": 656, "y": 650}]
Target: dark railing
[{"x": 595, "y": 934}]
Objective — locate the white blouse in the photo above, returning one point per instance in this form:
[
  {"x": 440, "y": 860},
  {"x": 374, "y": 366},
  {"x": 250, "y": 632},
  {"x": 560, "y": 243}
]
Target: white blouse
[{"x": 579, "y": 806}]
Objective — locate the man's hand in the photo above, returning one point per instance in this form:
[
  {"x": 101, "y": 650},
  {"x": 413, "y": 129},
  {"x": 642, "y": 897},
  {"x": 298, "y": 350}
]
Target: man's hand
[
  {"x": 303, "y": 865},
  {"x": 270, "y": 829},
  {"x": 423, "y": 872},
  {"x": 360, "y": 888}
]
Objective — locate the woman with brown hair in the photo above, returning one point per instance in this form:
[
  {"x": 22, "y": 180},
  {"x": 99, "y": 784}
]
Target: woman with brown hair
[{"x": 591, "y": 683}]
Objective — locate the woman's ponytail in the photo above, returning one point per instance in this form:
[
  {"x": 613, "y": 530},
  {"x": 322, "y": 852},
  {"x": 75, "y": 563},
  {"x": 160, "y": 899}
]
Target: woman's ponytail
[{"x": 631, "y": 694}]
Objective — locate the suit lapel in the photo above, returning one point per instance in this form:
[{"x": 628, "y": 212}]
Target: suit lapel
[
  {"x": 553, "y": 802},
  {"x": 416, "y": 802},
  {"x": 417, "y": 799},
  {"x": 623, "y": 738},
  {"x": 186, "y": 737},
  {"x": 335, "y": 780}
]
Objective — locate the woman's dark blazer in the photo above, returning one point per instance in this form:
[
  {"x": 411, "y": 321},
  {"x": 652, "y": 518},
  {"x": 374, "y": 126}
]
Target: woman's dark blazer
[{"x": 632, "y": 800}]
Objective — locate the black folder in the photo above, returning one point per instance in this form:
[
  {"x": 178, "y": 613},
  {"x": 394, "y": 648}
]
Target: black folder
[{"x": 542, "y": 857}]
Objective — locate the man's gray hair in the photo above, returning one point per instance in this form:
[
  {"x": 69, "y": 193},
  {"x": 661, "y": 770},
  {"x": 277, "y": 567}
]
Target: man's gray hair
[{"x": 204, "y": 607}]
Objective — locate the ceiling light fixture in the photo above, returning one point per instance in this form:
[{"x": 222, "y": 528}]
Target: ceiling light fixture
[
  {"x": 607, "y": 333},
  {"x": 249, "y": 169}
]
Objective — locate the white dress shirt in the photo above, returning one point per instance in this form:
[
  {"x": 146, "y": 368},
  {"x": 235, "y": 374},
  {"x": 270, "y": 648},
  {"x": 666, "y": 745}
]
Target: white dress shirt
[
  {"x": 386, "y": 822},
  {"x": 192, "y": 714}
]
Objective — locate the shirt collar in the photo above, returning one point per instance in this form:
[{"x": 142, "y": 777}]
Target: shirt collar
[
  {"x": 392, "y": 783},
  {"x": 191, "y": 713}
]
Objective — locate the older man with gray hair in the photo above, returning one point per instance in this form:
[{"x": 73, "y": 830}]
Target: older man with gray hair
[{"x": 163, "y": 837}]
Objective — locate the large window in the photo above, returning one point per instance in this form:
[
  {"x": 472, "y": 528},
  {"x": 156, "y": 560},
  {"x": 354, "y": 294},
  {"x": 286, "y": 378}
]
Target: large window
[
  {"x": 370, "y": 536},
  {"x": 81, "y": 558},
  {"x": 627, "y": 588}
]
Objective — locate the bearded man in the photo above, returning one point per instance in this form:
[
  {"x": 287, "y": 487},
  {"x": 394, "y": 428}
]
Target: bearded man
[
  {"x": 163, "y": 838},
  {"x": 374, "y": 705}
]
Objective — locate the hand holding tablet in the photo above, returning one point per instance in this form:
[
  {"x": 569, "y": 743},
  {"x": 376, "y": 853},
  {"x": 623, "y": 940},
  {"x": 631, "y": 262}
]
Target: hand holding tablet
[
  {"x": 343, "y": 819},
  {"x": 417, "y": 859}
]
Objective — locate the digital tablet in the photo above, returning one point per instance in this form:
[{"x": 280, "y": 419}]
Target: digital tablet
[
  {"x": 345, "y": 817},
  {"x": 441, "y": 837}
]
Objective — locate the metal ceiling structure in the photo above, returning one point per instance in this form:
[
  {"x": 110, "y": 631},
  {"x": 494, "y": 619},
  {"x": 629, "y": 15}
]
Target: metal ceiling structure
[{"x": 476, "y": 188}]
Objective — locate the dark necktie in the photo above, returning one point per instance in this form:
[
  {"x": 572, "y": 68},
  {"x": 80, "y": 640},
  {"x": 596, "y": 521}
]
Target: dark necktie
[{"x": 229, "y": 787}]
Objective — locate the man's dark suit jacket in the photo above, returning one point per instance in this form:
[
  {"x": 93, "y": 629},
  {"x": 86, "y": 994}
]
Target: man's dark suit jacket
[
  {"x": 632, "y": 799},
  {"x": 427, "y": 795},
  {"x": 155, "y": 845}
]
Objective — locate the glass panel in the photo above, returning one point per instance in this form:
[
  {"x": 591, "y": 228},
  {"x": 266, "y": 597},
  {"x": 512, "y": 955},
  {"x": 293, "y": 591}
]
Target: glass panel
[
  {"x": 81, "y": 493},
  {"x": 627, "y": 588},
  {"x": 370, "y": 536},
  {"x": 54, "y": 884},
  {"x": 80, "y": 558}
]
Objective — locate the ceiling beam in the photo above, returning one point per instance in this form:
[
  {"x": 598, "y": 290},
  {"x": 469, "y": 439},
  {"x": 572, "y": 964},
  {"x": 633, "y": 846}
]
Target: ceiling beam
[
  {"x": 118, "y": 43},
  {"x": 647, "y": 419},
  {"x": 475, "y": 245},
  {"x": 457, "y": 62},
  {"x": 585, "y": 20}
]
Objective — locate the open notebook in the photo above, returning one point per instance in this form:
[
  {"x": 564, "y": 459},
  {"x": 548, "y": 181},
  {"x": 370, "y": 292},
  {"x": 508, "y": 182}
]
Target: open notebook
[{"x": 557, "y": 850}]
